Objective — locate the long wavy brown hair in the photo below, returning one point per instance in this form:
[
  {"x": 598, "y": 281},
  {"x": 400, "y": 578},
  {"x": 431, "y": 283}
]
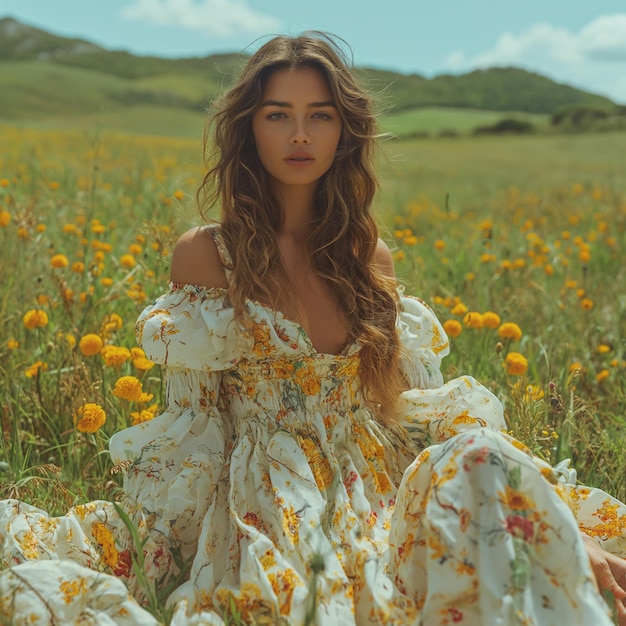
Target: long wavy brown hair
[{"x": 344, "y": 234}]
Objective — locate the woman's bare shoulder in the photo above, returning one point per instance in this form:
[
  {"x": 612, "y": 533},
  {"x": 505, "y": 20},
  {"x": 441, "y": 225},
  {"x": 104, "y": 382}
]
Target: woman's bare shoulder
[
  {"x": 196, "y": 261},
  {"x": 383, "y": 260}
]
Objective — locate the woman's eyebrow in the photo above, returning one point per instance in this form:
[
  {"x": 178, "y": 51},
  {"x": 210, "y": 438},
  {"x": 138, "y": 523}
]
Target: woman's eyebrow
[{"x": 281, "y": 103}]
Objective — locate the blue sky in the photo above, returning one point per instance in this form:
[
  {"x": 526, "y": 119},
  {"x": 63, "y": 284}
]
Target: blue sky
[{"x": 579, "y": 42}]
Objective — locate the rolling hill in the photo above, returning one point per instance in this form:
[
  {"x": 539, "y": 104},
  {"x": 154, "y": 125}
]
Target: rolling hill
[{"x": 46, "y": 79}]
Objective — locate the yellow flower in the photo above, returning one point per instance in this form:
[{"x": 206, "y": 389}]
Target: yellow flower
[
  {"x": 491, "y": 319},
  {"x": 142, "y": 364},
  {"x": 453, "y": 328},
  {"x": 603, "y": 348},
  {"x": 516, "y": 364},
  {"x": 33, "y": 370},
  {"x": 576, "y": 366},
  {"x": 602, "y": 375},
  {"x": 59, "y": 261},
  {"x": 128, "y": 388},
  {"x": 90, "y": 344},
  {"x": 473, "y": 319},
  {"x": 411, "y": 240},
  {"x": 68, "y": 337},
  {"x": 4, "y": 182},
  {"x": 178, "y": 194},
  {"x": 510, "y": 330},
  {"x": 586, "y": 304},
  {"x": 115, "y": 356},
  {"x": 5, "y": 218},
  {"x": 440, "y": 244},
  {"x": 145, "y": 397},
  {"x": 127, "y": 261},
  {"x": 144, "y": 415},
  {"x": 78, "y": 267},
  {"x": 135, "y": 249},
  {"x": 459, "y": 309},
  {"x": 35, "y": 318},
  {"x": 89, "y": 418},
  {"x": 110, "y": 324},
  {"x": 13, "y": 344},
  {"x": 532, "y": 393}
]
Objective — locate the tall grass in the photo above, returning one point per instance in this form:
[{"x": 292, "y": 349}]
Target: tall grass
[{"x": 529, "y": 230}]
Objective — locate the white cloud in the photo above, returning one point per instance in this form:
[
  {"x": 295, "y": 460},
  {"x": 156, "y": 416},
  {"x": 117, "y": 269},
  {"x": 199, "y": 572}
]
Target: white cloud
[
  {"x": 221, "y": 18},
  {"x": 593, "y": 59}
]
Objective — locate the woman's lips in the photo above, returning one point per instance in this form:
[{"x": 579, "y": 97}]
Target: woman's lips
[{"x": 299, "y": 159}]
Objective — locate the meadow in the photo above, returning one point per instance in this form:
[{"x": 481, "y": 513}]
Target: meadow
[{"x": 518, "y": 243}]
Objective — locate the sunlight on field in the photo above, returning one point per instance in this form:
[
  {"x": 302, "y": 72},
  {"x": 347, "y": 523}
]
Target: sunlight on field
[{"x": 518, "y": 244}]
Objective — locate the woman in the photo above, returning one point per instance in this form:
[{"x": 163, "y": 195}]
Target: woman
[{"x": 311, "y": 463}]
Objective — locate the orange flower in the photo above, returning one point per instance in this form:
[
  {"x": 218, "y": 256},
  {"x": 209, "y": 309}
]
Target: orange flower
[
  {"x": 602, "y": 375},
  {"x": 140, "y": 361},
  {"x": 128, "y": 388},
  {"x": 453, "y": 328},
  {"x": 491, "y": 319},
  {"x": 516, "y": 364},
  {"x": 89, "y": 418},
  {"x": 473, "y": 319},
  {"x": 510, "y": 330},
  {"x": 90, "y": 344},
  {"x": 144, "y": 415},
  {"x": 35, "y": 318},
  {"x": 59, "y": 261},
  {"x": 33, "y": 370},
  {"x": 128, "y": 261},
  {"x": 115, "y": 356}
]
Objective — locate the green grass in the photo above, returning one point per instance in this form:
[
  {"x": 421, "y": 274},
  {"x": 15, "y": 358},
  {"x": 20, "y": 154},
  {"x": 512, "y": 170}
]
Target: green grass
[
  {"x": 434, "y": 120},
  {"x": 527, "y": 227}
]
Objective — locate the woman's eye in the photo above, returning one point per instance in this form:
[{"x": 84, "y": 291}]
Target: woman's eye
[
  {"x": 277, "y": 115},
  {"x": 322, "y": 116}
]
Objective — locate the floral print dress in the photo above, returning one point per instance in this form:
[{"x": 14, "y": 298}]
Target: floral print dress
[{"x": 268, "y": 476}]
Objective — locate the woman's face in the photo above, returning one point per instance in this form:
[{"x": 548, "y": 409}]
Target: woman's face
[{"x": 296, "y": 127}]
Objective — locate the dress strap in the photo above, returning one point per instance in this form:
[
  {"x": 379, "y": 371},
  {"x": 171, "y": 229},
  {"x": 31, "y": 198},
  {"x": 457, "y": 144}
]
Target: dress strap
[{"x": 222, "y": 250}]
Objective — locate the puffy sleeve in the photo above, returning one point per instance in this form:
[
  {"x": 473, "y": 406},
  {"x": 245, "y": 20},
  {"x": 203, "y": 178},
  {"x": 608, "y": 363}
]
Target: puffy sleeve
[
  {"x": 423, "y": 341},
  {"x": 193, "y": 328},
  {"x": 432, "y": 411},
  {"x": 173, "y": 462}
]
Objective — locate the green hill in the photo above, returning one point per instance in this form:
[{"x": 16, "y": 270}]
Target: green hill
[{"x": 45, "y": 77}]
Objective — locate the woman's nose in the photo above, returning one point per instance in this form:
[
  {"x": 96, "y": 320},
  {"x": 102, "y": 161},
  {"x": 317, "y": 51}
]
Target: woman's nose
[{"x": 300, "y": 135}]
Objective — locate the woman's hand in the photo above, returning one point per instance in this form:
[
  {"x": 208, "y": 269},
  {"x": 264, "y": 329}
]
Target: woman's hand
[{"x": 610, "y": 573}]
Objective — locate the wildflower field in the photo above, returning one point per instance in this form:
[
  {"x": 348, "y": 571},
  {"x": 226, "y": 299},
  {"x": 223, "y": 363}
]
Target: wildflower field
[{"x": 517, "y": 243}]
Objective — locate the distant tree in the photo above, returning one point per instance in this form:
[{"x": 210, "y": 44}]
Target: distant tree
[{"x": 506, "y": 126}]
